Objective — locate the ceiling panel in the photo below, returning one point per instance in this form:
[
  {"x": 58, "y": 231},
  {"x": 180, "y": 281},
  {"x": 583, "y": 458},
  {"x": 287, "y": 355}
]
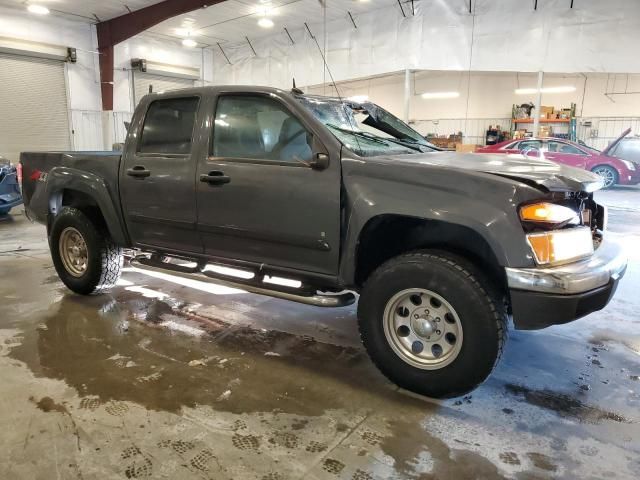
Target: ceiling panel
[
  {"x": 232, "y": 20},
  {"x": 229, "y": 21},
  {"x": 84, "y": 9}
]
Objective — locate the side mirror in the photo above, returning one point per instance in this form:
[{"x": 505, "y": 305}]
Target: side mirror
[{"x": 320, "y": 161}]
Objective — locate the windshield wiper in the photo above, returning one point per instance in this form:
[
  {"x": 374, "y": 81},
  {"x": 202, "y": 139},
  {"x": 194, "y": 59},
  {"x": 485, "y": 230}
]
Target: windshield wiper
[
  {"x": 357, "y": 133},
  {"x": 407, "y": 143}
]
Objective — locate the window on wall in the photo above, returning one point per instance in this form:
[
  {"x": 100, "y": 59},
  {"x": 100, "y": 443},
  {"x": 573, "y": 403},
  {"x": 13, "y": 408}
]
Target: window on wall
[
  {"x": 256, "y": 127},
  {"x": 168, "y": 126}
]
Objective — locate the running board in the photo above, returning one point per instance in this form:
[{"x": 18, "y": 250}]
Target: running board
[{"x": 341, "y": 299}]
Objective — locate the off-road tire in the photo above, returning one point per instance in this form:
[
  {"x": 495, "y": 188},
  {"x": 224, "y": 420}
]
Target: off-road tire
[
  {"x": 104, "y": 258},
  {"x": 477, "y": 301}
]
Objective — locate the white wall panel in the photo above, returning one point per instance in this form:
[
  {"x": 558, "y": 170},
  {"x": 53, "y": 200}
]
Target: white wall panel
[
  {"x": 594, "y": 36},
  {"x": 87, "y": 130}
]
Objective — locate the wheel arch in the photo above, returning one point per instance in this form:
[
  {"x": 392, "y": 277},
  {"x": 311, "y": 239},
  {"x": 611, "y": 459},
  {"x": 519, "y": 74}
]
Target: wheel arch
[
  {"x": 88, "y": 193},
  {"x": 386, "y": 236}
]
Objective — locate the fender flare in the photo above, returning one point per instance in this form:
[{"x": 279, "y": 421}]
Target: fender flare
[{"x": 60, "y": 179}]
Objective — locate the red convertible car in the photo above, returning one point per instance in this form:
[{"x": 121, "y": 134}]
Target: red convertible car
[{"x": 617, "y": 164}]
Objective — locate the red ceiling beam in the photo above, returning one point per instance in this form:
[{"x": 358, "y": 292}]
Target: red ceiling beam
[{"x": 119, "y": 29}]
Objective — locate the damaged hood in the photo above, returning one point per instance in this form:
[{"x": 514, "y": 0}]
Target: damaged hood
[{"x": 531, "y": 170}]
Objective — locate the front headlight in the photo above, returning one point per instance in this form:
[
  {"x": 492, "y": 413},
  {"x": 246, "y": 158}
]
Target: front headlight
[
  {"x": 630, "y": 165},
  {"x": 549, "y": 213},
  {"x": 561, "y": 246}
]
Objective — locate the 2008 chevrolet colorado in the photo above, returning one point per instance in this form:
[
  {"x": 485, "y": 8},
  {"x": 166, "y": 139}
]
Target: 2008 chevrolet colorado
[{"x": 343, "y": 197}]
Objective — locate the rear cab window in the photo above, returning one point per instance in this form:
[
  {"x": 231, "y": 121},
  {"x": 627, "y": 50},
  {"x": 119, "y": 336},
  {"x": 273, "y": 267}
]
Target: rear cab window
[{"x": 168, "y": 126}]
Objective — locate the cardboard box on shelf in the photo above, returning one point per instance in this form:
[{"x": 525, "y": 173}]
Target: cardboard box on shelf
[
  {"x": 546, "y": 112},
  {"x": 565, "y": 113},
  {"x": 518, "y": 134},
  {"x": 545, "y": 131},
  {"x": 466, "y": 148}
]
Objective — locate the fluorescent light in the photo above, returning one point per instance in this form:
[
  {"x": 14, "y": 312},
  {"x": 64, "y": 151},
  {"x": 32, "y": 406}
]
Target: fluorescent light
[
  {"x": 359, "y": 98},
  {"x": 38, "y": 9},
  {"x": 183, "y": 32},
  {"x": 533, "y": 91},
  {"x": 429, "y": 95},
  {"x": 189, "y": 42},
  {"x": 265, "y": 22}
]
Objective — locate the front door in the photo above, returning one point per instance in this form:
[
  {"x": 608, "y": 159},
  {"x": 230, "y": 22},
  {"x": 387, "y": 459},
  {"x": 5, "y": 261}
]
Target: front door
[
  {"x": 158, "y": 176},
  {"x": 259, "y": 200}
]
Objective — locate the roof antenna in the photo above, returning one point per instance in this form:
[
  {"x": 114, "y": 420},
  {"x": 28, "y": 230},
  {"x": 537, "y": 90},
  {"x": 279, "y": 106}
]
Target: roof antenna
[{"x": 295, "y": 89}]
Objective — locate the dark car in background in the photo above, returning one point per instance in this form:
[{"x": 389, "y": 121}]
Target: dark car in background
[
  {"x": 618, "y": 164},
  {"x": 10, "y": 195}
]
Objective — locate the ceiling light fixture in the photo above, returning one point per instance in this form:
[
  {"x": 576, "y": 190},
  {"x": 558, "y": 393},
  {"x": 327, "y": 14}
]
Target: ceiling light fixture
[
  {"x": 533, "y": 91},
  {"x": 432, "y": 95},
  {"x": 265, "y": 22},
  {"x": 38, "y": 9},
  {"x": 183, "y": 32},
  {"x": 189, "y": 42}
]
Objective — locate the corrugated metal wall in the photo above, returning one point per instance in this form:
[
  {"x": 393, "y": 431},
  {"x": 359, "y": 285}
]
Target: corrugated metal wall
[
  {"x": 598, "y": 132},
  {"x": 474, "y": 129},
  {"x": 88, "y": 133}
]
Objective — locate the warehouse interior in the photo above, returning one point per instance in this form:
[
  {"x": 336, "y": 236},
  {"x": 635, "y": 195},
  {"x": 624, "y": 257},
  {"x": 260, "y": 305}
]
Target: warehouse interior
[{"x": 166, "y": 376}]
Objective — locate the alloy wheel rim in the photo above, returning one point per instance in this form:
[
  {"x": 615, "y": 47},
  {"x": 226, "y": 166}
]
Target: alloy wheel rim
[
  {"x": 422, "y": 328},
  {"x": 606, "y": 174},
  {"x": 73, "y": 252}
]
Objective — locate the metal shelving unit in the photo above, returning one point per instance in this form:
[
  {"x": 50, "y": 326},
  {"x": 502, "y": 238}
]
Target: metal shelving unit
[{"x": 570, "y": 122}]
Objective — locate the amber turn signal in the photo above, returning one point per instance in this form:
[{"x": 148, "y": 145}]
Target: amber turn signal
[
  {"x": 561, "y": 246},
  {"x": 545, "y": 212}
]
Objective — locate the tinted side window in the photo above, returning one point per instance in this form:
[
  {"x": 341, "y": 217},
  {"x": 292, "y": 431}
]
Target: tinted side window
[
  {"x": 535, "y": 144},
  {"x": 628, "y": 150},
  {"x": 168, "y": 126},
  {"x": 256, "y": 127},
  {"x": 561, "y": 147}
]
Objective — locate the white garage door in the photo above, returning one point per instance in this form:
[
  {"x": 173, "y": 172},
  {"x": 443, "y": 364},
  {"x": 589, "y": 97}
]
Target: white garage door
[
  {"x": 33, "y": 106},
  {"x": 160, "y": 83}
]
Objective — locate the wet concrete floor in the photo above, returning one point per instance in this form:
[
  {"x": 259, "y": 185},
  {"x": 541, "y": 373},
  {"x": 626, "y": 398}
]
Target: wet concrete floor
[{"x": 166, "y": 378}]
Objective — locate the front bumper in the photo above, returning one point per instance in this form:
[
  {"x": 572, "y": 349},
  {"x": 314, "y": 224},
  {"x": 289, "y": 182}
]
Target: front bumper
[
  {"x": 541, "y": 297},
  {"x": 7, "y": 202},
  {"x": 629, "y": 177}
]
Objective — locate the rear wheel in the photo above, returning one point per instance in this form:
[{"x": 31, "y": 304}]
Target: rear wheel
[
  {"x": 432, "y": 324},
  {"x": 85, "y": 257},
  {"x": 608, "y": 174}
]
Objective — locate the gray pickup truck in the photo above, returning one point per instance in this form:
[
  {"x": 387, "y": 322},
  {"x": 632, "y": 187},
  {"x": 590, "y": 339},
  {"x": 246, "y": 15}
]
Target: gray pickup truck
[{"x": 338, "y": 198}]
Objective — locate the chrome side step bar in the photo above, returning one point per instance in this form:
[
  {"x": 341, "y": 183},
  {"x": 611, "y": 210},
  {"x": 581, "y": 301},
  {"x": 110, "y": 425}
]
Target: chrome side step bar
[{"x": 341, "y": 299}]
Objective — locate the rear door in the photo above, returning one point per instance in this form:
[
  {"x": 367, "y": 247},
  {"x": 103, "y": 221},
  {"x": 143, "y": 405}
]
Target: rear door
[
  {"x": 158, "y": 175},
  {"x": 258, "y": 199}
]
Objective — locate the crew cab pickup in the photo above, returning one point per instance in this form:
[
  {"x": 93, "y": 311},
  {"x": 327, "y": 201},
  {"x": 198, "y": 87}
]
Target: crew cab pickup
[{"x": 346, "y": 199}]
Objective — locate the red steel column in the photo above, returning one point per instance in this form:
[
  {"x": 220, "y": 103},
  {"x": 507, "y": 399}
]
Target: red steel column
[{"x": 119, "y": 29}]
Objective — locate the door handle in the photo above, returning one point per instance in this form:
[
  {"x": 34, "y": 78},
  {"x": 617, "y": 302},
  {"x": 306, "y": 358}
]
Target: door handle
[
  {"x": 138, "y": 171},
  {"x": 215, "y": 177}
]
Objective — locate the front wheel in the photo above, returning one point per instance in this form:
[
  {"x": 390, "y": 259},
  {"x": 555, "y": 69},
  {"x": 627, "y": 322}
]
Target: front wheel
[
  {"x": 86, "y": 259},
  {"x": 609, "y": 175},
  {"x": 432, "y": 324}
]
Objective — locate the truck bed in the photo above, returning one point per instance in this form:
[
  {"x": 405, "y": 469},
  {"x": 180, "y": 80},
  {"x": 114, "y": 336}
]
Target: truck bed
[{"x": 36, "y": 166}]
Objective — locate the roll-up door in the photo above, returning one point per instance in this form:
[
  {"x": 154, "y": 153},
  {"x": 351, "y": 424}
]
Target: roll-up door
[
  {"x": 160, "y": 83},
  {"x": 33, "y": 105}
]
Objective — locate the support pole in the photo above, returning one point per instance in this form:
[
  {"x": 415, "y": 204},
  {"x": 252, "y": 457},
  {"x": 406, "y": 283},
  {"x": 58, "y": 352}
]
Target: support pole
[
  {"x": 116, "y": 30},
  {"x": 536, "y": 119},
  {"x": 407, "y": 94}
]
